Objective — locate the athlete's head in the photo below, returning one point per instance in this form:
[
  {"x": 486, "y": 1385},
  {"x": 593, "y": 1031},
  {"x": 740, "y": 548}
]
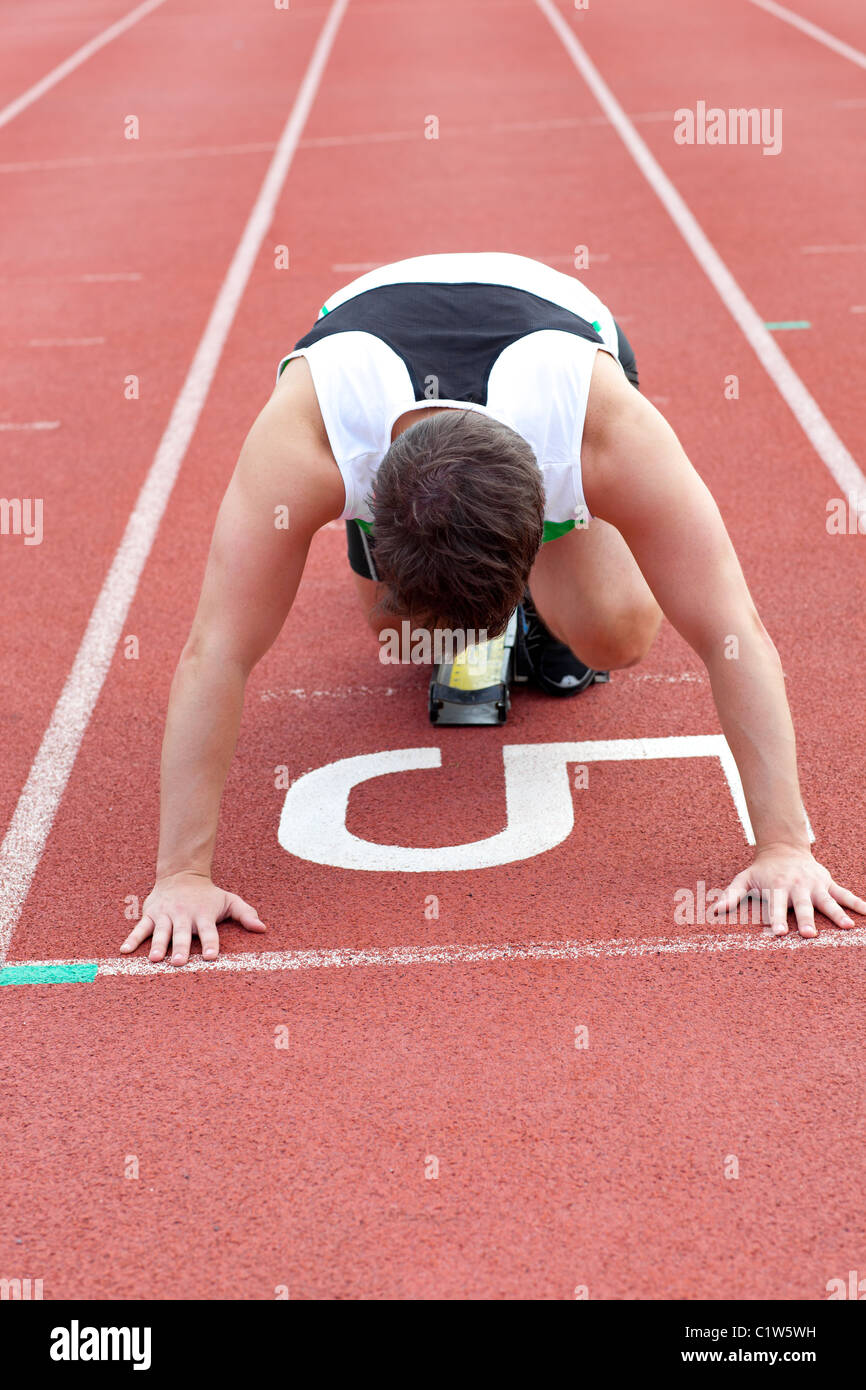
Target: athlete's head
[{"x": 458, "y": 515}]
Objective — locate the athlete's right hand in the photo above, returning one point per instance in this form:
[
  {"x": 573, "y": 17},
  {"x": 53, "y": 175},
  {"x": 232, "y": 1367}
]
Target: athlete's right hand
[{"x": 183, "y": 905}]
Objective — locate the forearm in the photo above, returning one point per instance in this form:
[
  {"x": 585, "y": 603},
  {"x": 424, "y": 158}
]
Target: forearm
[
  {"x": 750, "y": 697},
  {"x": 201, "y": 731}
]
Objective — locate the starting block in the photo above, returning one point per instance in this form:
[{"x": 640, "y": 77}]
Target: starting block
[{"x": 475, "y": 688}]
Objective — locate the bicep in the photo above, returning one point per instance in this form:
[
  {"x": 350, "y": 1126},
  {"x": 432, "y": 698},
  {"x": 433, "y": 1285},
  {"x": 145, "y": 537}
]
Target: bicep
[{"x": 644, "y": 484}]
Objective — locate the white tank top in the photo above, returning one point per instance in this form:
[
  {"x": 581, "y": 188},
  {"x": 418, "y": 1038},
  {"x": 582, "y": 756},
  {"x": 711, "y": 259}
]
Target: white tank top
[{"x": 368, "y": 363}]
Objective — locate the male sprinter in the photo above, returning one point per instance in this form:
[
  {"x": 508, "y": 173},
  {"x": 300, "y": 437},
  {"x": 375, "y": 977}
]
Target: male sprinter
[{"x": 474, "y": 418}]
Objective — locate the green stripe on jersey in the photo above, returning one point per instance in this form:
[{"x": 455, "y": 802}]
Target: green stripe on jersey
[{"x": 552, "y": 529}]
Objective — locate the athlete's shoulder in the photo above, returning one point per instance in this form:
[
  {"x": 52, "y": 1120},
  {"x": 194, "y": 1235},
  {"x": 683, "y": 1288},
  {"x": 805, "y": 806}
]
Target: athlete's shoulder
[
  {"x": 295, "y": 405},
  {"x": 287, "y": 450},
  {"x": 610, "y": 394},
  {"x": 625, "y": 438}
]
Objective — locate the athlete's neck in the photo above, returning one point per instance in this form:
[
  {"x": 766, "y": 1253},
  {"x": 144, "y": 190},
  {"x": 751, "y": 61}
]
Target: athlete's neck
[{"x": 411, "y": 417}]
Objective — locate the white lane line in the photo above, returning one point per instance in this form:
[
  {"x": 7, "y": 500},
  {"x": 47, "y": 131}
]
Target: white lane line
[
  {"x": 359, "y": 267},
  {"x": 354, "y": 267},
  {"x": 563, "y": 123},
  {"x": 89, "y": 161},
  {"x": 31, "y": 824},
  {"x": 30, "y": 425},
  {"x": 858, "y": 308},
  {"x": 833, "y": 250},
  {"x": 95, "y": 278},
  {"x": 75, "y": 60},
  {"x": 343, "y": 692},
  {"x": 815, "y": 425},
  {"x": 64, "y": 342},
  {"x": 748, "y": 939},
  {"x": 107, "y": 277},
  {"x": 687, "y": 677},
  {"x": 812, "y": 30},
  {"x": 375, "y": 137}
]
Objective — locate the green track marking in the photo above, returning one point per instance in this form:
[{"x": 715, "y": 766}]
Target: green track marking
[
  {"x": 789, "y": 323},
  {"x": 77, "y": 973}
]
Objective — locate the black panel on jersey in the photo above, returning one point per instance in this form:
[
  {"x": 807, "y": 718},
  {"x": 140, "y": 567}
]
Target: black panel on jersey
[{"x": 452, "y": 333}]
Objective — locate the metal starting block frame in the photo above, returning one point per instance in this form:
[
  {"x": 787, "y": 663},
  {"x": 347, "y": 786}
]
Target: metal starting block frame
[{"x": 476, "y": 687}]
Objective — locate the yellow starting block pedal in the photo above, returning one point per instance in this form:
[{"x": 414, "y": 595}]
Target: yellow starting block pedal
[{"x": 474, "y": 688}]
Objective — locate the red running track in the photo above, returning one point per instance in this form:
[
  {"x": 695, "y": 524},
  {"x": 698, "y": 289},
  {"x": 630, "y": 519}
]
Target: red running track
[{"x": 304, "y": 1166}]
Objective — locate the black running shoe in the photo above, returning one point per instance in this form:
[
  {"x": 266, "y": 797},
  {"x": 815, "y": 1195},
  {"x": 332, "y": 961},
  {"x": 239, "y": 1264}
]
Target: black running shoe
[{"x": 551, "y": 664}]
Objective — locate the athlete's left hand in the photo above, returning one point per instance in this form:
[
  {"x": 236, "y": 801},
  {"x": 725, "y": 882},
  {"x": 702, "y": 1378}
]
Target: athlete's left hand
[{"x": 784, "y": 875}]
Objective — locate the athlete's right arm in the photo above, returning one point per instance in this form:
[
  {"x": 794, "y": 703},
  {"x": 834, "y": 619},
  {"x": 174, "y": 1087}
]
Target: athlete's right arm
[{"x": 284, "y": 487}]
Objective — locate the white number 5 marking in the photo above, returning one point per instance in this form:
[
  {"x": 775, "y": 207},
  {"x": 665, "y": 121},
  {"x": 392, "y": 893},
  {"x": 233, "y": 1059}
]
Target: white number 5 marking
[{"x": 538, "y": 801}]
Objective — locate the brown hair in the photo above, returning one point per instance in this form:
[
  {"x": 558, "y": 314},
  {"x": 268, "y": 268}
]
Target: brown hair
[{"x": 458, "y": 516}]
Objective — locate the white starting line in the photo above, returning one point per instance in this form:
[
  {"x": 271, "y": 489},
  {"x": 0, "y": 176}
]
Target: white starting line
[{"x": 396, "y": 957}]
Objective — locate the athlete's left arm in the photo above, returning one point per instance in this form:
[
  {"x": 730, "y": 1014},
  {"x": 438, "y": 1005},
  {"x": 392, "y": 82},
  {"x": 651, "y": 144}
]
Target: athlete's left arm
[{"x": 637, "y": 477}]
